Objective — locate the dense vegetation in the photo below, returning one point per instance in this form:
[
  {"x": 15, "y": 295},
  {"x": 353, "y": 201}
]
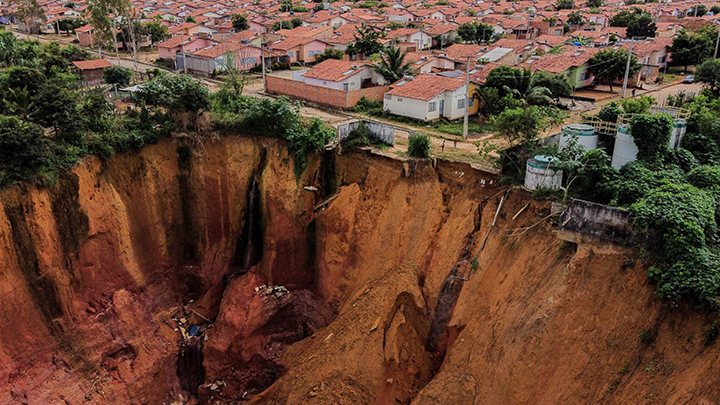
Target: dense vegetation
[
  {"x": 674, "y": 192},
  {"x": 48, "y": 121}
]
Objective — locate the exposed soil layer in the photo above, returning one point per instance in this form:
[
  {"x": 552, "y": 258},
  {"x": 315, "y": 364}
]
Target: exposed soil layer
[{"x": 163, "y": 276}]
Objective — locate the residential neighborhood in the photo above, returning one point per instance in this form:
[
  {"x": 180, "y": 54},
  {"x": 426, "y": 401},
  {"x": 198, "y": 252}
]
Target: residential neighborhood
[{"x": 325, "y": 45}]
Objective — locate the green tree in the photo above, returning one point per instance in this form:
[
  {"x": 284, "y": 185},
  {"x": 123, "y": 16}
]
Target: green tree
[
  {"x": 595, "y": 3},
  {"x": 392, "y": 64},
  {"x": 709, "y": 73},
  {"x": 565, "y": 4},
  {"x": 117, "y": 75},
  {"x": 608, "y": 65},
  {"x": 475, "y": 32},
  {"x": 240, "y": 22},
  {"x": 576, "y": 18},
  {"x": 330, "y": 53},
  {"x": 715, "y": 9},
  {"x": 367, "y": 41},
  {"x": 640, "y": 105},
  {"x": 610, "y": 112},
  {"x": 523, "y": 125},
  {"x": 690, "y": 48},
  {"x": 175, "y": 93},
  {"x": 282, "y": 25},
  {"x": 24, "y": 150},
  {"x": 698, "y": 10},
  {"x": 55, "y": 106},
  {"x": 393, "y": 25},
  {"x": 643, "y": 27},
  {"x": 69, "y": 4},
  {"x": 652, "y": 136},
  {"x": 297, "y": 22},
  {"x": 559, "y": 84},
  {"x": 625, "y": 17},
  {"x": 190, "y": 19},
  {"x": 157, "y": 31}
]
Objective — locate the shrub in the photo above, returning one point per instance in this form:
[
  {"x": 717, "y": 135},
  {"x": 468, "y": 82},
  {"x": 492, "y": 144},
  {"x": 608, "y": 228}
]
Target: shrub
[
  {"x": 610, "y": 112},
  {"x": 24, "y": 150},
  {"x": 419, "y": 146},
  {"x": 117, "y": 75}
]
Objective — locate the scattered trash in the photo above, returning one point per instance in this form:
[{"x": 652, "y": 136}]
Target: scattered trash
[
  {"x": 276, "y": 291},
  {"x": 310, "y": 188},
  {"x": 193, "y": 330}
]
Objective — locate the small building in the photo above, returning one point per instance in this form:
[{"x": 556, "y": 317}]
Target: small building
[
  {"x": 428, "y": 97},
  {"x": 299, "y": 49},
  {"x": 92, "y": 70},
  {"x": 342, "y": 75}
]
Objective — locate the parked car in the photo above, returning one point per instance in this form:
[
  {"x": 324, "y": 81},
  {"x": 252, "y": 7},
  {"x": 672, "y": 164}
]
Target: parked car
[{"x": 689, "y": 79}]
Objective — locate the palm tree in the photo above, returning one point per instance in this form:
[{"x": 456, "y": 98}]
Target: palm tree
[
  {"x": 526, "y": 90},
  {"x": 392, "y": 65},
  {"x": 8, "y": 48}
]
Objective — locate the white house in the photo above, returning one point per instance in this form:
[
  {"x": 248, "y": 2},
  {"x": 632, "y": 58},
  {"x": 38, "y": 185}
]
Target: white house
[
  {"x": 427, "y": 97},
  {"x": 415, "y": 36},
  {"x": 341, "y": 75}
]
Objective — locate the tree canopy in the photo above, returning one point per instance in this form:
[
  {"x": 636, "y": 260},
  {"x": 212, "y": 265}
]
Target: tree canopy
[
  {"x": 240, "y": 22},
  {"x": 608, "y": 65},
  {"x": 367, "y": 41}
]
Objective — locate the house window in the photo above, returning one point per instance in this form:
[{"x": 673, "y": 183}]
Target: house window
[
  {"x": 291, "y": 54},
  {"x": 662, "y": 60},
  {"x": 345, "y": 87},
  {"x": 388, "y": 96},
  {"x": 472, "y": 101},
  {"x": 432, "y": 106},
  {"x": 461, "y": 103},
  {"x": 248, "y": 61},
  {"x": 581, "y": 77},
  {"x": 399, "y": 100}
]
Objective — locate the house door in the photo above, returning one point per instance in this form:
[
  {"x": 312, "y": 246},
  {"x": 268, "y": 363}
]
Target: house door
[{"x": 442, "y": 107}]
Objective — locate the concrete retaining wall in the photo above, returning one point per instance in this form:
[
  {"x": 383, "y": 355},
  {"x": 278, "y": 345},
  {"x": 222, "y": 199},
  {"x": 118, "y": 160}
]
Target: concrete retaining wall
[{"x": 383, "y": 132}]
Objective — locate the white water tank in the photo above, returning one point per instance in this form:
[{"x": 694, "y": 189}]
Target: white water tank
[
  {"x": 625, "y": 149},
  {"x": 586, "y": 136},
  {"x": 677, "y": 134},
  {"x": 541, "y": 173}
]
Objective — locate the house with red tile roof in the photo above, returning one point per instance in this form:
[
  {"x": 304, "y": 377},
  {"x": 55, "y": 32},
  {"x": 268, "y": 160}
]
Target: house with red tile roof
[
  {"x": 169, "y": 49},
  {"x": 573, "y": 63},
  {"x": 427, "y": 97},
  {"x": 92, "y": 70},
  {"x": 300, "y": 49},
  {"x": 342, "y": 75},
  {"x": 220, "y": 57},
  {"x": 412, "y": 35}
]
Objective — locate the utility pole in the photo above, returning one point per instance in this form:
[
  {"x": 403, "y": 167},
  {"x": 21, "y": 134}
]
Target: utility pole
[
  {"x": 57, "y": 24},
  {"x": 182, "y": 43},
  {"x": 467, "y": 99},
  {"x": 627, "y": 68},
  {"x": 262, "y": 56}
]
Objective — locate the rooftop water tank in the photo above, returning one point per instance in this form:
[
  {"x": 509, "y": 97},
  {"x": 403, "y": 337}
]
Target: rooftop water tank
[
  {"x": 625, "y": 149},
  {"x": 586, "y": 136},
  {"x": 541, "y": 173},
  {"x": 677, "y": 134}
]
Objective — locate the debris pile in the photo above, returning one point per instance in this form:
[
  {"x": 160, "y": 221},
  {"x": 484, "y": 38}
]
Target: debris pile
[{"x": 275, "y": 291}]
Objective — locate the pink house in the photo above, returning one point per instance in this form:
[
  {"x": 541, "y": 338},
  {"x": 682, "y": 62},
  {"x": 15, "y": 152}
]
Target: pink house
[
  {"x": 300, "y": 49},
  {"x": 168, "y": 50}
]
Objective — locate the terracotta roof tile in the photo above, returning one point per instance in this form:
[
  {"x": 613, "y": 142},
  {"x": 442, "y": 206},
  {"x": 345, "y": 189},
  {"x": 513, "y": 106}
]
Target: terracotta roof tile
[
  {"x": 92, "y": 64},
  {"x": 333, "y": 70},
  {"x": 425, "y": 87}
]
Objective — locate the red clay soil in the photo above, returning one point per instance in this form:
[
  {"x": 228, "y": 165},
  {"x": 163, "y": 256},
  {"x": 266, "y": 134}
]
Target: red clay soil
[{"x": 105, "y": 271}]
